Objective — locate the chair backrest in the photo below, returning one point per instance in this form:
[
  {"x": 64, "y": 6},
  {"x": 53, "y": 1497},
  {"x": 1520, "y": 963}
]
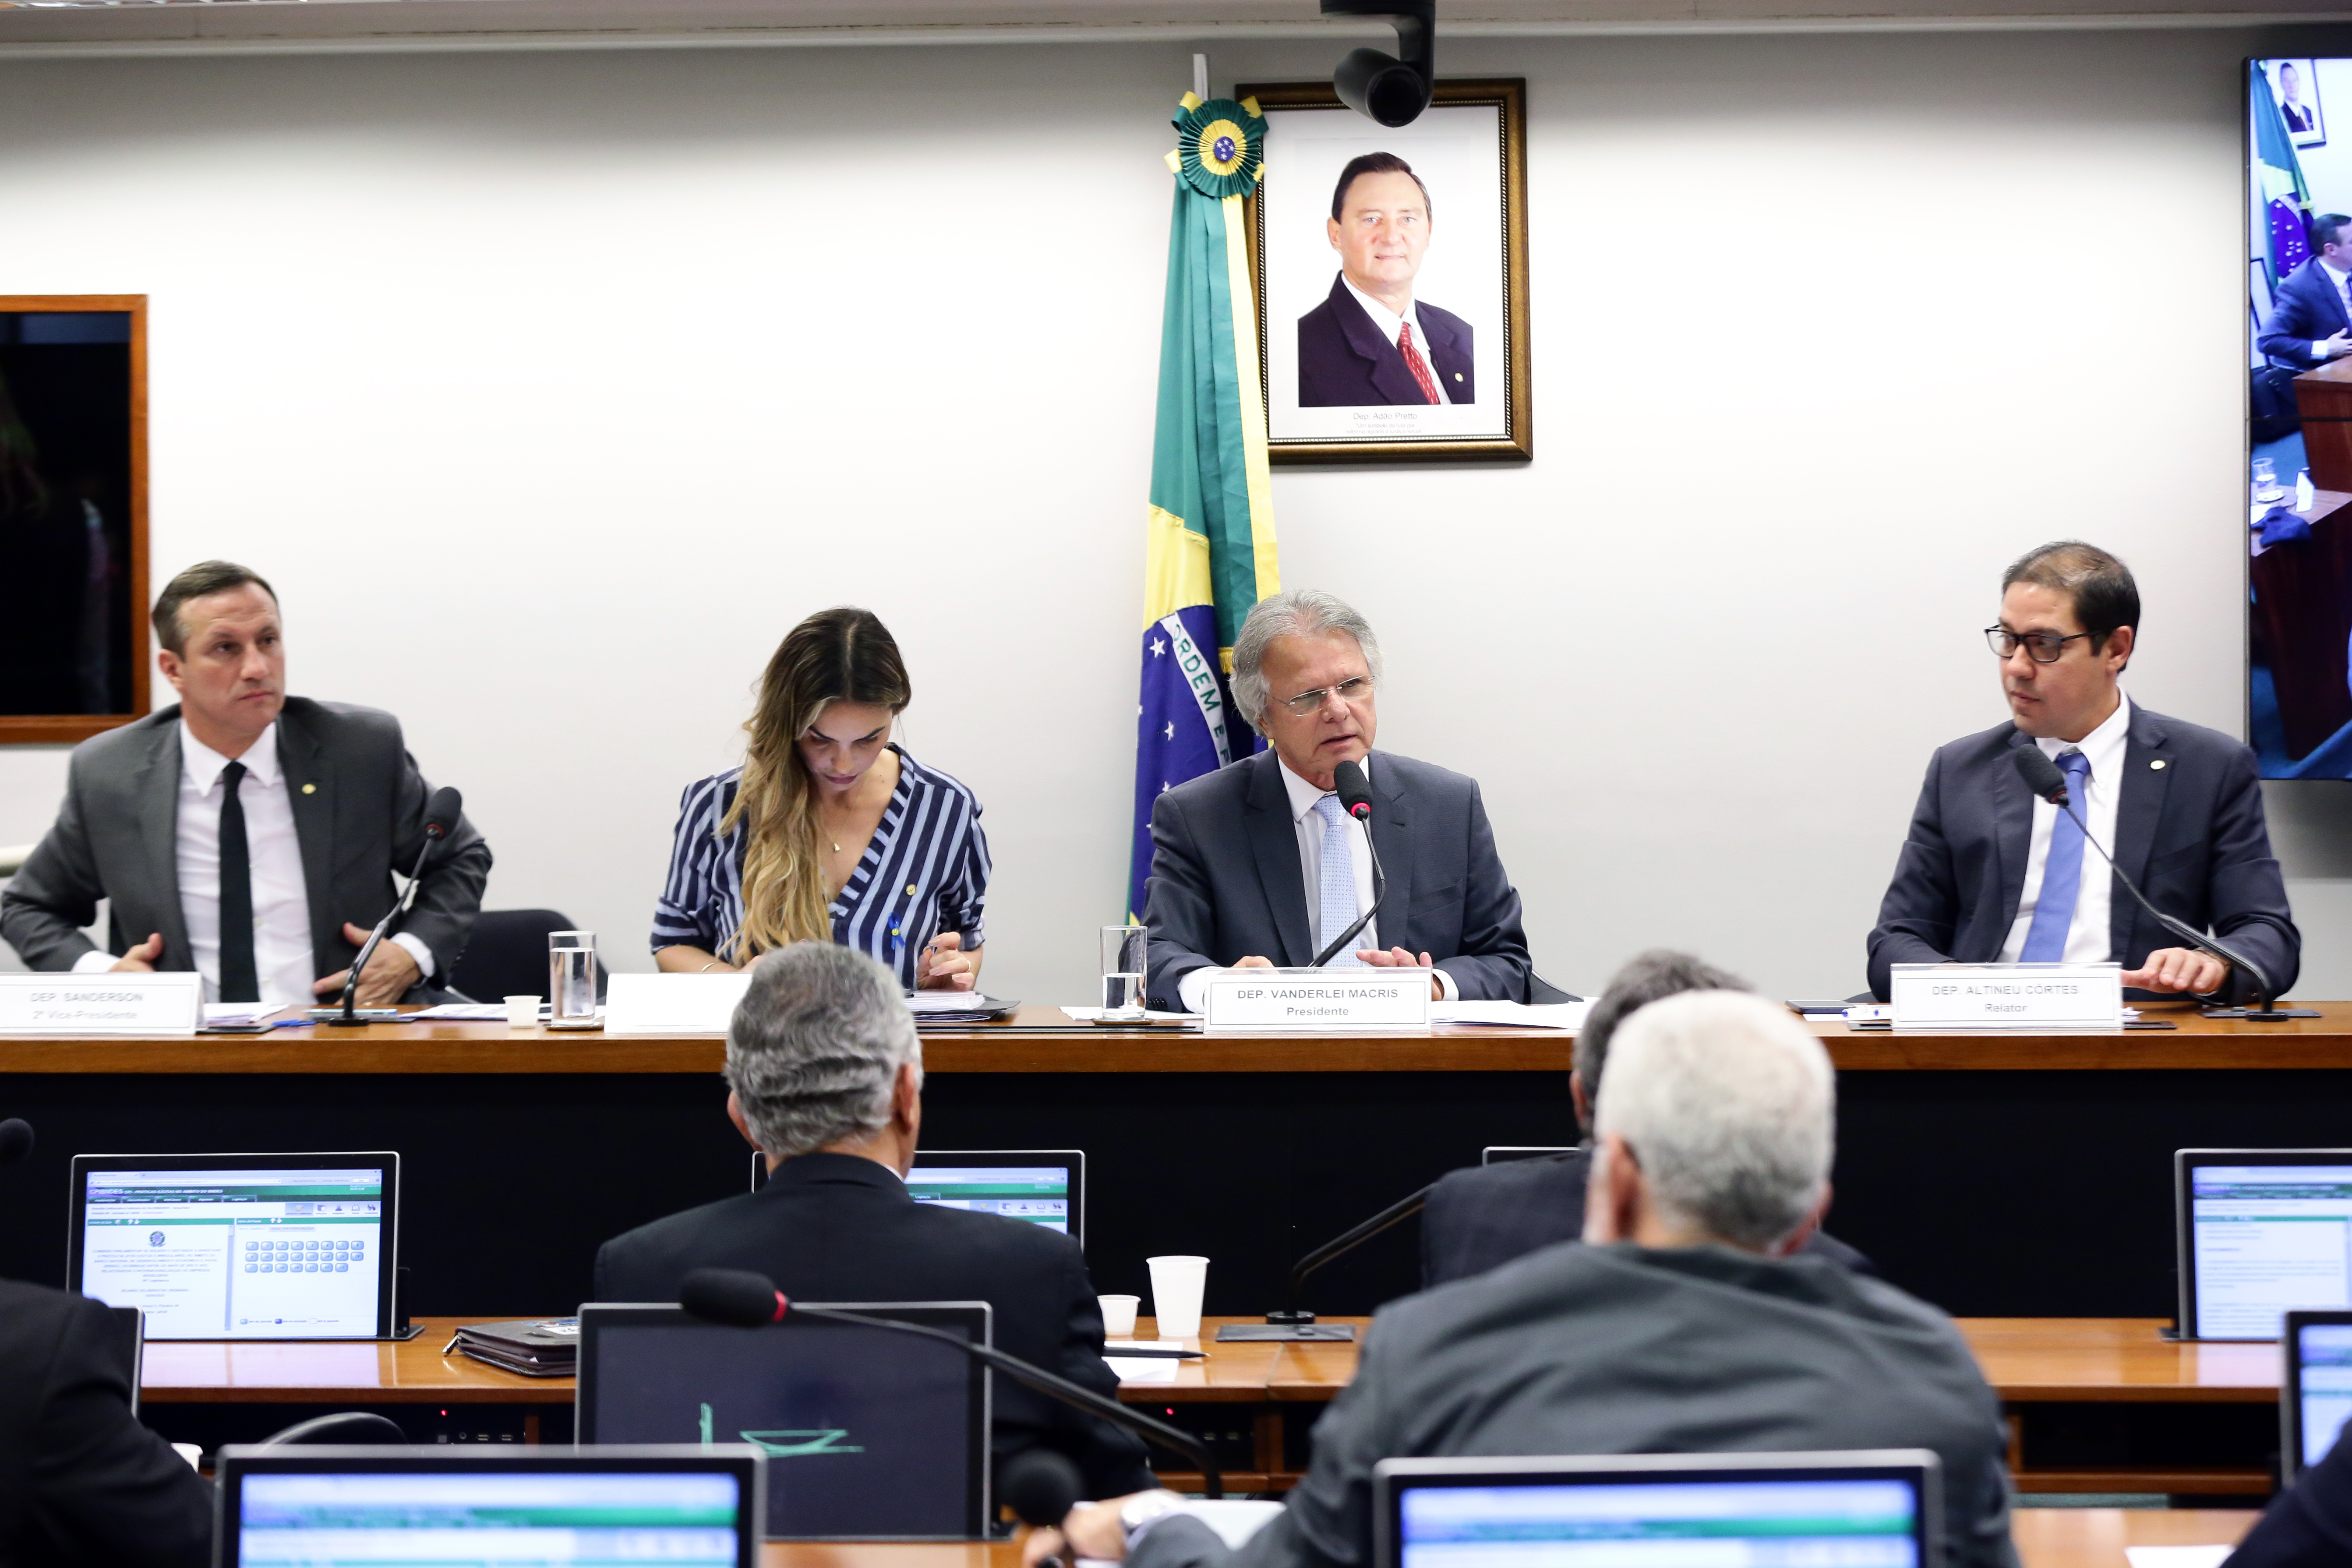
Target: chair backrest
[{"x": 507, "y": 956}]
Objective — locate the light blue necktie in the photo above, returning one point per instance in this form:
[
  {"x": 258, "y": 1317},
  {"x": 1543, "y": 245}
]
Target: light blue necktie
[
  {"x": 1337, "y": 893},
  {"x": 2062, "y": 873}
]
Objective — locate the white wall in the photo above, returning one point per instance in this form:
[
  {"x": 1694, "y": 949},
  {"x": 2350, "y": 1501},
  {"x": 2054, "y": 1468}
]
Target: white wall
[{"x": 552, "y": 389}]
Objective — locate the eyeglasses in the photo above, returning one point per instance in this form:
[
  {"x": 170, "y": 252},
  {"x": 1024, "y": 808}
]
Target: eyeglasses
[
  {"x": 1351, "y": 691},
  {"x": 2041, "y": 647}
]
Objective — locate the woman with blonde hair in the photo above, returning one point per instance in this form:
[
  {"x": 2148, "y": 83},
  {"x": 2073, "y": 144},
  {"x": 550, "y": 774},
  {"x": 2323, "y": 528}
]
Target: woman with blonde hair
[{"x": 828, "y": 831}]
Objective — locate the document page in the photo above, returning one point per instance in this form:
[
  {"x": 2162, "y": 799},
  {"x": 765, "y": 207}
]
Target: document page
[{"x": 2267, "y": 1238}]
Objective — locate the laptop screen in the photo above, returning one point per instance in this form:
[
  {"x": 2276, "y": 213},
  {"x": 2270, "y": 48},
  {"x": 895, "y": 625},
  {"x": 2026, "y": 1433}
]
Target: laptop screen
[
  {"x": 1662, "y": 1523},
  {"x": 1038, "y": 1194},
  {"x": 2263, "y": 1238},
  {"x": 237, "y": 1250},
  {"x": 2323, "y": 1388}
]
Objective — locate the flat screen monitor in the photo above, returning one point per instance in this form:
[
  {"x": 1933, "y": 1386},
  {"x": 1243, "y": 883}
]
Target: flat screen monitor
[
  {"x": 1042, "y": 1187},
  {"x": 2315, "y": 1390},
  {"x": 2261, "y": 1232},
  {"x": 1870, "y": 1508},
  {"x": 868, "y": 1434},
  {"x": 239, "y": 1247},
  {"x": 463, "y": 1507}
]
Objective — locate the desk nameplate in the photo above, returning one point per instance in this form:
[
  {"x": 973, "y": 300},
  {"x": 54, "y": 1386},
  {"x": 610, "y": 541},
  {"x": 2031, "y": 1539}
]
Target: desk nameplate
[
  {"x": 1306, "y": 999},
  {"x": 2006, "y": 995},
  {"x": 104, "y": 1003},
  {"x": 672, "y": 1004}
]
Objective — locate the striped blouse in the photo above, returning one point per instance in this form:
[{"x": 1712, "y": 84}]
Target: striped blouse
[{"x": 925, "y": 871}]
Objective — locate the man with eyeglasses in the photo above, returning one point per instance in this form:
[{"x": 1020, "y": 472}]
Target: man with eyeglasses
[
  {"x": 1256, "y": 865},
  {"x": 1989, "y": 872}
]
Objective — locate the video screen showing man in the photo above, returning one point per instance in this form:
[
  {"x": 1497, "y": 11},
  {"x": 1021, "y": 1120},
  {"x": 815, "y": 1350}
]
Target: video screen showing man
[
  {"x": 2309, "y": 322},
  {"x": 1371, "y": 342}
]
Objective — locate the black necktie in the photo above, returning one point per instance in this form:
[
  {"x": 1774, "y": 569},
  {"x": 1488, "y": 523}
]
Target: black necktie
[{"x": 237, "y": 983}]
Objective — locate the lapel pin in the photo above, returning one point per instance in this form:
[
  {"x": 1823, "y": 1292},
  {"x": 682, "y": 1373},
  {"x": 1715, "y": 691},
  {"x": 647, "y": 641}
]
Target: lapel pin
[
  {"x": 2157, "y": 764},
  {"x": 1457, "y": 375},
  {"x": 313, "y": 789}
]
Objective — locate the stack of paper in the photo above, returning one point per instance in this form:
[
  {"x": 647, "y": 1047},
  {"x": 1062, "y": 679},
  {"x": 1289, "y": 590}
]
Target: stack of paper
[{"x": 1548, "y": 1016}]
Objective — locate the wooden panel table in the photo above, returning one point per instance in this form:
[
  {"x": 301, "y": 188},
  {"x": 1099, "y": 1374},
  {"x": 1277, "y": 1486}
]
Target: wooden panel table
[{"x": 1991, "y": 1174}]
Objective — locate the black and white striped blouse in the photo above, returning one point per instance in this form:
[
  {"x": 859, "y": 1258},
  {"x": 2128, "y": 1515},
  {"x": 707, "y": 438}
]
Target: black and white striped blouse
[{"x": 925, "y": 871}]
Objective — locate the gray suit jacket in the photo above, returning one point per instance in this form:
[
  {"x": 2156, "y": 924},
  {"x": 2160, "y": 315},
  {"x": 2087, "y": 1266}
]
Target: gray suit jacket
[
  {"x": 1623, "y": 1350},
  {"x": 2189, "y": 830},
  {"x": 116, "y": 837},
  {"x": 1225, "y": 879}
]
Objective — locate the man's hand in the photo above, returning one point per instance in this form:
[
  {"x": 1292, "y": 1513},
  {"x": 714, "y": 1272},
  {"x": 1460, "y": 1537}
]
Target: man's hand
[
  {"x": 2178, "y": 969},
  {"x": 945, "y": 966},
  {"x": 1398, "y": 958},
  {"x": 1093, "y": 1529},
  {"x": 2336, "y": 347},
  {"x": 140, "y": 958},
  {"x": 1253, "y": 961},
  {"x": 390, "y": 972}
]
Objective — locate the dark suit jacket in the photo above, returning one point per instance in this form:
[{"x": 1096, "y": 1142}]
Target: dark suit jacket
[
  {"x": 1484, "y": 1217},
  {"x": 2189, "y": 833},
  {"x": 1346, "y": 362},
  {"x": 116, "y": 837},
  {"x": 2309, "y": 1525},
  {"x": 838, "y": 1228},
  {"x": 1624, "y": 1349},
  {"x": 81, "y": 1481},
  {"x": 2305, "y": 310},
  {"x": 1226, "y": 883}
]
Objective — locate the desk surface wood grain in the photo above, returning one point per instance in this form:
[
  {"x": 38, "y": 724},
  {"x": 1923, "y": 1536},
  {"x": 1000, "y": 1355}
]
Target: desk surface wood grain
[{"x": 1044, "y": 1040}]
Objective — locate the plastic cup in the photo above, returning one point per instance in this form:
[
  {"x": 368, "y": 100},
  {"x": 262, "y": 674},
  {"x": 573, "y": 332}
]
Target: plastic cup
[
  {"x": 1176, "y": 1286},
  {"x": 522, "y": 1011},
  {"x": 1118, "y": 1315}
]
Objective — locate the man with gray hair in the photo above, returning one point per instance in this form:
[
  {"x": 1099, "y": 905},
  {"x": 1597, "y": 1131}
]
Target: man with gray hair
[
  {"x": 1257, "y": 866},
  {"x": 1686, "y": 1324},
  {"x": 825, "y": 1076}
]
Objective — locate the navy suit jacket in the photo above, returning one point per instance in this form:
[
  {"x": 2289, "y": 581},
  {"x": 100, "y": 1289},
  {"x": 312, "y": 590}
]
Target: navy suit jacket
[
  {"x": 2308, "y": 1526},
  {"x": 1346, "y": 362},
  {"x": 2305, "y": 310},
  {"x": 1226, "y": 882},
  {"x": 2189, "y": 830}
]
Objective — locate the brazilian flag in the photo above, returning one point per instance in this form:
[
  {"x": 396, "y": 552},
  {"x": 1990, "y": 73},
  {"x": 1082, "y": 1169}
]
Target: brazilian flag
[
  {"x": 1210, "y": 553},
  {"x": 2278, "y": 180}
]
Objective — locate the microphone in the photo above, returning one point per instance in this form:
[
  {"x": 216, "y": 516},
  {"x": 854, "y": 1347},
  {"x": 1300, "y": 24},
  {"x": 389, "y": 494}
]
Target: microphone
[
  {"x": 1356, "y": 799},
  {"x": 2045, "y": 779},
  {"x": 743, "y": 1299},
  {"x": 441, "y": 816},
  {"x": 1039, "y": 1487},
  {"x": 1290, "y": 1323},
  {"x": 15, "y": 1140}
]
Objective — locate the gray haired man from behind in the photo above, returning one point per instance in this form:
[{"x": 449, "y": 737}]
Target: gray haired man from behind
[
  {"x": 1681, "y": 1326},
  {"x": 825, "y": 1077},
  {"x": 1256, "y": 865}
]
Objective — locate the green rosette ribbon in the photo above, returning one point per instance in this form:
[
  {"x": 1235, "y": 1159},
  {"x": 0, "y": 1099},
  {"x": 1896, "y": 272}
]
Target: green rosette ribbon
[{"x": 1220, "y": 146}]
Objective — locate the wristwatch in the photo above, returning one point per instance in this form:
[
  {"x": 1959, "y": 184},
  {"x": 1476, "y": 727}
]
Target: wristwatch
[{"x": 1143, "y": 1508}]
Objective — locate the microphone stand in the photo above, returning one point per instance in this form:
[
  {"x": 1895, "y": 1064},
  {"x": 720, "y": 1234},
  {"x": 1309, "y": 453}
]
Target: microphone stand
[
  {"x": 1291, "y": 1324},
  {"x": 2262, "y": 1013},
  {"x": 348, "y": 1019}
]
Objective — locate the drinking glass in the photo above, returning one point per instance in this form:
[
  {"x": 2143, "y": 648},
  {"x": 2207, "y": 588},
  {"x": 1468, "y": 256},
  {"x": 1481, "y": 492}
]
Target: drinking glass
[
  {"x": 1122, "y": 971},
  {"x": 570, "y": 979},
  {"x": 2266, "y": 483}
]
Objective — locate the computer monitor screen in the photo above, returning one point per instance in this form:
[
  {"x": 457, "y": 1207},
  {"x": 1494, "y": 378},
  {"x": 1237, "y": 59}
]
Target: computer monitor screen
[
  {"x": 1705, "y": 1520},
  {"x": 2262, "y": 1232},
  {"x": 427, "y": 1515},
  {"x": 2319, "y": 1386},
  {"x": 239, "y": 1246},
  {"x": 868, "y": 1433},
  {"x": 1040, "y": 1186}
]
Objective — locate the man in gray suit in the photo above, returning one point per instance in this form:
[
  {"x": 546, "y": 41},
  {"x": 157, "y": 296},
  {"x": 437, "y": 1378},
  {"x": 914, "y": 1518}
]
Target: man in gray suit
[
  {"x": 243, "y": 834},
  {"x": 1256, "y": 865},
  {"x": 1683, "y": 1325}
]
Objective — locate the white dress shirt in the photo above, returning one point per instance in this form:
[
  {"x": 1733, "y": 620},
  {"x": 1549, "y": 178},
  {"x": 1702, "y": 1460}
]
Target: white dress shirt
[
  {"x": 1306, "y": 822},
  {"x": 1390, "y": 324},
  {"x": 2089, "y": 939},
  {"x": 2342, "y": 281},
  {"x": 283, "y": 961}
]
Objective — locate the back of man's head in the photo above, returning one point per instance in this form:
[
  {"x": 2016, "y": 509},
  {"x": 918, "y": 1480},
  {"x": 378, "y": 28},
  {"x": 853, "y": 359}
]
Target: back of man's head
[
  {"x": 1647, "y": 978},
  {"x": 815, "y": 1045},
  {"x": 1727, "y": 1104}
]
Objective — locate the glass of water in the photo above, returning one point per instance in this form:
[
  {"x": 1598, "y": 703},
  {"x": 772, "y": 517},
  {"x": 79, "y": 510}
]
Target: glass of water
[
  {"x": 2266, "y": 480},
  {"x": 570, "y": 979},
  {"x": 1122, "y": 971}
]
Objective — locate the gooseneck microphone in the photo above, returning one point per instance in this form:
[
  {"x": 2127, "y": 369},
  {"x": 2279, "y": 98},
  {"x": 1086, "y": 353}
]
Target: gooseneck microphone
[
  {"x": 15, "y": 1140},
  {"x": 1041, "y": 1487},
  {"x": 1355, "y": 794},
  {"x": 1290, "y": 1315},
  {"x": 441, "y": 815},
  {"x": 2044, "y": 777},
  {"x": 744, "y": 1300}
]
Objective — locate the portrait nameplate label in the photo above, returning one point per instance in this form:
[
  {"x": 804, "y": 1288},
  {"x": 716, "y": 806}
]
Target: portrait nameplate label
[
  {"x": 1319, "y": 999},
  {"x": 2008, "y": 996},
  {"x": 101, "y": 1003}
]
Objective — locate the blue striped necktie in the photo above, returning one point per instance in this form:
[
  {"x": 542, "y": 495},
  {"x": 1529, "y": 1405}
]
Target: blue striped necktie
[
  {"x": 1335, "y": 895},
  {"x": 2062, "y": 873}
]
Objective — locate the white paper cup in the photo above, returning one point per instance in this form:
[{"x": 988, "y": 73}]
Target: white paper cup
[
  {"x": 1118, "y": 1315},
  {"x": 1176, "y": 1286},
  {"x": 522, "y": 1011}
]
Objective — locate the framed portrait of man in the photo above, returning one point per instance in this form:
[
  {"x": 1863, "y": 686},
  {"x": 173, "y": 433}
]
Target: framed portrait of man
[
  {"x": 2294, "y": 88},
  {"x": 1390, "y": 267}
]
